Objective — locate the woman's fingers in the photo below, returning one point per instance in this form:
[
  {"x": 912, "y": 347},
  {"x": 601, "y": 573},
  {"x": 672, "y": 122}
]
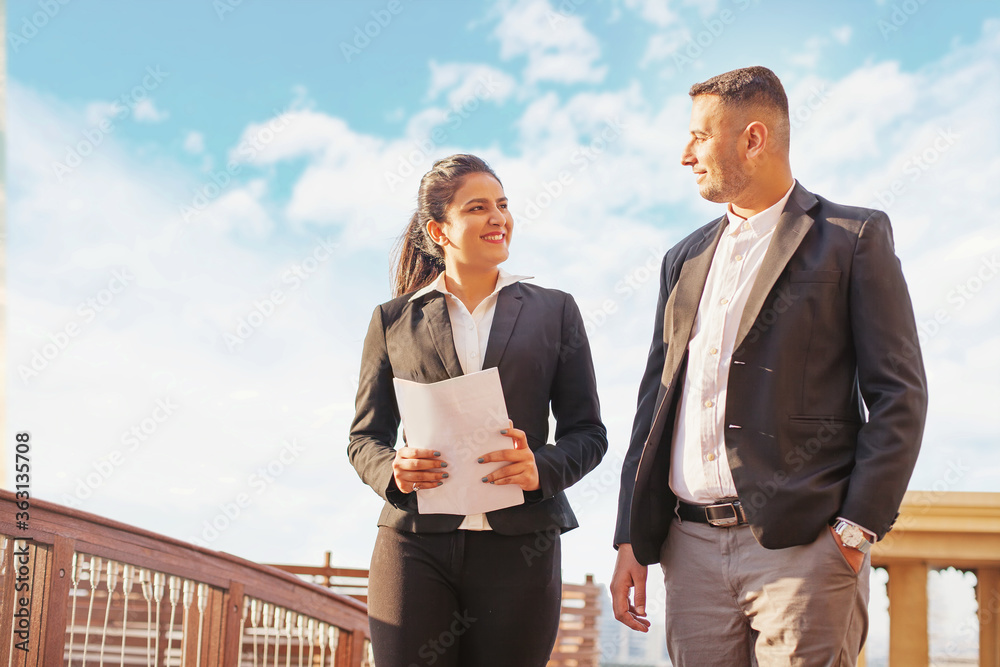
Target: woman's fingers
[
  {"x": 522, "y": 469},
  {"x": 414, "y": 469}
]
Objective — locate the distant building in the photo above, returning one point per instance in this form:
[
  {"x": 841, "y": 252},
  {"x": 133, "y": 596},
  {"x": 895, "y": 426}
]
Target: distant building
[{"x": 623, "y": 647}]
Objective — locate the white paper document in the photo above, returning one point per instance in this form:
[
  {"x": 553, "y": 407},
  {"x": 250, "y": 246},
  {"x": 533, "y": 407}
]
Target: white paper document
[{"x": 462, "y": 418}]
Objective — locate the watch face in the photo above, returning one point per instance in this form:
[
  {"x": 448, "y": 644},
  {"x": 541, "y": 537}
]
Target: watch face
[{"x": 852, "y": 536}]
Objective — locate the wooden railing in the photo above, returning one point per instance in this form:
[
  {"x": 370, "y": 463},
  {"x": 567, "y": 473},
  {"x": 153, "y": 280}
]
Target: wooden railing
[
  {"x": 576, "y": 643},
  {"x": 77, "y": 588}
]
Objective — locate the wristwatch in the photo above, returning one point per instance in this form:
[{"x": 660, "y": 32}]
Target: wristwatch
[{"x": 852, "y": 536}]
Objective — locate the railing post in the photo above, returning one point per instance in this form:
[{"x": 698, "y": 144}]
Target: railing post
[
  {"x": 988, "y": 597},
  {"x": 232, "y": 615},
  {"x": 7, "y": 608},
  {"x": 53, "y": 644},
  {"x": 908, "y": 645}
]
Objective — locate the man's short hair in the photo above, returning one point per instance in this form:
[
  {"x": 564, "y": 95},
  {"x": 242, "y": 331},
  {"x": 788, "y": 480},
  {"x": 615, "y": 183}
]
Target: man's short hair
[{"x": 748, "y": 89}]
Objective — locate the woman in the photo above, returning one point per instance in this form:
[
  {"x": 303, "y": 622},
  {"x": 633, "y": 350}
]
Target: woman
[{"x": 474, "y": 590}]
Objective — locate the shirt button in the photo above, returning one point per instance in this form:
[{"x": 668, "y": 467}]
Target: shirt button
[
  {"x": 710, "y": 457},
  {"x": 714, "y": 350},
  {"x": 709, "y": 404},
  {"x": 724, "y": 301},
  {"x": 738, "y": 257},
  {"x": 746, "y": 225}
]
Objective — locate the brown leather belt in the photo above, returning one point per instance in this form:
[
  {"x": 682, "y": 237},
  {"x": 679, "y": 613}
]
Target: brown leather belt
[{"x": 722, "y": 514}]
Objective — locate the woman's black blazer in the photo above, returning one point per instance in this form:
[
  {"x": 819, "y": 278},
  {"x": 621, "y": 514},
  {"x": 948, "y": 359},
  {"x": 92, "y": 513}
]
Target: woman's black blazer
[{"x": 540, "y": 347}]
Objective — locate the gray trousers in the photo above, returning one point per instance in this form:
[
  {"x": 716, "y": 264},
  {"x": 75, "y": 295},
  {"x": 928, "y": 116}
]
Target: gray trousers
[{"x": 730, "y": 602}]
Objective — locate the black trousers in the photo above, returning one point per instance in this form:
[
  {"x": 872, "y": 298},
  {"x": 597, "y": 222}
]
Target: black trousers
[{"x": 464, "y": 598}]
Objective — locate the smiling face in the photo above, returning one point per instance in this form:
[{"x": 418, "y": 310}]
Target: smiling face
[
  {"x": 713, "y": 153},
  {"x": 477, "y": 227}
]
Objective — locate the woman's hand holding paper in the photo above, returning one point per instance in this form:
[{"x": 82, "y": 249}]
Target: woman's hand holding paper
[
  {"x": 522, "y": 469},
  {"x": 414, "y": 469}
]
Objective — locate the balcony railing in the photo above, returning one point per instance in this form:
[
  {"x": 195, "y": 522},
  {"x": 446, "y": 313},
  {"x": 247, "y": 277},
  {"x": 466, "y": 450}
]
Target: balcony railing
[{"x": 79, "y": 589}]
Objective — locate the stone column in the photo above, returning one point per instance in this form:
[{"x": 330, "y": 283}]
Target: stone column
[
  {"x": 907, "y": 588},
  {"x": 988, "y": 597}
]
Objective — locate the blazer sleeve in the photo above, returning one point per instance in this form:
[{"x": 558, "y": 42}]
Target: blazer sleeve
[
  {"x": 371, "y": 449},
  {"x": 580, "y": 438},
  {"x": 891, "y": 379},
  {"x": 649, "y": 390}
]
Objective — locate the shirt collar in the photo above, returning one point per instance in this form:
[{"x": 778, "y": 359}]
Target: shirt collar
[
  {"x": 764, "y": 221},
  {"x": 439, "y": 285}
]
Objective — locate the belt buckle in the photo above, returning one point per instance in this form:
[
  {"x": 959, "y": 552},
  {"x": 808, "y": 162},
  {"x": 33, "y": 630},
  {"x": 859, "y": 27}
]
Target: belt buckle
[{"x": 725, "y": 522}]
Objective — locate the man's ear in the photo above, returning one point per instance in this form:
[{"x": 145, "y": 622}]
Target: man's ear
[
  {"x": 756, "y": 136},
  {"x": 436, "y": 232}
]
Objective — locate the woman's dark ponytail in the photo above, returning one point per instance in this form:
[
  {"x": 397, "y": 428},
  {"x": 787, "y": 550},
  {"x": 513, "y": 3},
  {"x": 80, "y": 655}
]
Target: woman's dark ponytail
[{"x": 419, "y": 259}]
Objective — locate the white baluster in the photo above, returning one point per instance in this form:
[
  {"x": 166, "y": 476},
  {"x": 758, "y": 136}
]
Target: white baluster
[
  {"x": 187, "y": 599},
  {"x": 95, "y": 580},
  {"x": 202, "y": 603},
  {"x": 74, "y": 577},
  {"x": 267, "y": 629},
  {"x": 299, "y": 628},
  {"x": 174, "y": 586},
  {"x": 310, "y": 632},
  {"x": 147, "y": 594},
  {"x": 321, "y": 638},
  {"x": 112, "y": 584},
  {"x": 255, "y": 605},
  {"x": 159, "y": 580},
  {"x": 127, "y": 572}
]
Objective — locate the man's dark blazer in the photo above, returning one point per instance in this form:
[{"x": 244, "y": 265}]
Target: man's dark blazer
[
  {"x": 828, "y": 330},
  {"x": 540, "y": 347}
]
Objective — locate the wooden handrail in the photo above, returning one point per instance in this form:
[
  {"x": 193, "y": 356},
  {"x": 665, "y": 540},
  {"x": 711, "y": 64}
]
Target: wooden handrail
[{"x": 224, "y": 585}]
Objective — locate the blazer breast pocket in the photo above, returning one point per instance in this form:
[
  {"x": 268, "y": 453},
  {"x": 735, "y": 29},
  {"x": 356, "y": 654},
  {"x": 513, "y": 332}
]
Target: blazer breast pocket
[{"x": 814, "y": 276}]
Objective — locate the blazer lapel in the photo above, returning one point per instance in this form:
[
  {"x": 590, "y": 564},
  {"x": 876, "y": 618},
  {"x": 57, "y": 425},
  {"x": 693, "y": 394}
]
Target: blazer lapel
[
  {"x": 788, "y": 234},
  {"x": 439, "y": 328},
  {"x": 682, "y": 307},
  {"x": 504, "y": 317}
]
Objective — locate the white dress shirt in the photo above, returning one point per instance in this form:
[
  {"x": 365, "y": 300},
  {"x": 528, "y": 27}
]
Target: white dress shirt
[
  {"x": 471, "y": 332},
  {"x": 699, "y": 467}
]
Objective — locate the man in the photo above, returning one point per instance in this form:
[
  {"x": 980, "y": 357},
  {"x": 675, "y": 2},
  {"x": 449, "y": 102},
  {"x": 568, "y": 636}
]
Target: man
[{"x": 781, "y": 410}]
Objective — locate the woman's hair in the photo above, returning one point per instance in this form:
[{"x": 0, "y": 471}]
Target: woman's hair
[{"x": 419, "y": 259}]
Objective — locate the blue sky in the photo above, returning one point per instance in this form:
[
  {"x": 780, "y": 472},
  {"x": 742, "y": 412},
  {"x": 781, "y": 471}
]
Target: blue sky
[{"x": 202, "y": 204}]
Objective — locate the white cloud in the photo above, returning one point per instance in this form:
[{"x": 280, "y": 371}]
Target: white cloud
[
  {"x": 194, "y": 142},
  {"x": 842, "y": 34},
  {"x": 657, "y": 12},
  {"x": 558, "y": 46},
  {"x": 468, "y": 83},
  {"x": 146, "y": 112}
]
